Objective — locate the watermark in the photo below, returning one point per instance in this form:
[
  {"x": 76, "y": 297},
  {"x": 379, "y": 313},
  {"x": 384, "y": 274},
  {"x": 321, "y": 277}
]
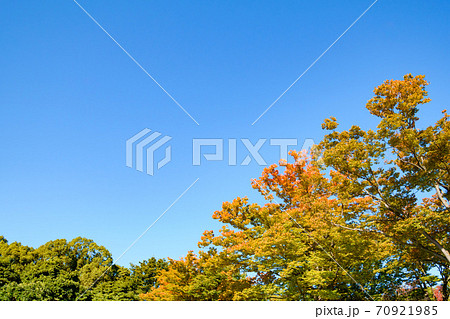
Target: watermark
[
  {"x": 141, "y": 148},
  {"x": 252, "y": 149}
]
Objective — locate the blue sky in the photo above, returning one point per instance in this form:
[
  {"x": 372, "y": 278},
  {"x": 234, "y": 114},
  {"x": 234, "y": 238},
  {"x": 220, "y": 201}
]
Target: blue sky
[{"x": 70, "y": 98}]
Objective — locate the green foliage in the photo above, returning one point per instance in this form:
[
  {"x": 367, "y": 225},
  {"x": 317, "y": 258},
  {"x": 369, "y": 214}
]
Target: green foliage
[
  {"x": 367, "y": 215},
  {"x": 62, "y": 270}
]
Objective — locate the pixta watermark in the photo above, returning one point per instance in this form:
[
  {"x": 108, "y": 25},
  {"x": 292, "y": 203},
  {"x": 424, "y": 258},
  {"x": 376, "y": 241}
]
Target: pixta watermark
[{"x": 142, "y": 146}]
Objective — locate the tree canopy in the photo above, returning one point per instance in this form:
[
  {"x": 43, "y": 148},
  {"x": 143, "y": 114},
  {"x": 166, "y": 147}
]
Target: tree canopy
[
  {"x": 62, "y": 270},
  {"x": 364, "y": 216}
]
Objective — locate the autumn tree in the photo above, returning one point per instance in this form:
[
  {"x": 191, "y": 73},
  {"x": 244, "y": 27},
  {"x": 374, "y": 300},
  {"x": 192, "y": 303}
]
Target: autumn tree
[
  {"x": 404, "y": 169},
  {"x": 365, "y": 217},
  {"x": 283, "y": 250},
  {"x": 197, "y": 278}
]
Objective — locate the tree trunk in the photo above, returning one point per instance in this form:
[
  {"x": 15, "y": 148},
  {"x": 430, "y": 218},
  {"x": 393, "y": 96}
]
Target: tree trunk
[{"x": 438, "y": 245}]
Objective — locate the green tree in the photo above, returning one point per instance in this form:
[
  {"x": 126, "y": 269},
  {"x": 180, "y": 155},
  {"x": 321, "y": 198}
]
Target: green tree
[{"x": 78, "y": 269}]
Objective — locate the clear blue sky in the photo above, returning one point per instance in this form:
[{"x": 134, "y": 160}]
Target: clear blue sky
[{"x": 70, "y": 98}]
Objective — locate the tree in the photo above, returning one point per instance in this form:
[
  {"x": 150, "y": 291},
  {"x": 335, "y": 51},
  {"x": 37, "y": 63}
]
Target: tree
[
  {"x": 143, "y": 275},
  {"x": 347, "y": 223},
  {"x": 365, "y": 216},
  {"x": 197, "y": 278},
  {"x": 405, "y": 171},
  {"x": 70, "y": 270},
  {"x": 282, "y": 251},
  {"x": 14, "y": 258}
]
